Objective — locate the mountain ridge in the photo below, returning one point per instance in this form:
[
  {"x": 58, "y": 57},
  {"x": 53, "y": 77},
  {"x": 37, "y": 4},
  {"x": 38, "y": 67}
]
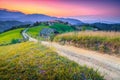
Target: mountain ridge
[{"x": 6, "y": 15}]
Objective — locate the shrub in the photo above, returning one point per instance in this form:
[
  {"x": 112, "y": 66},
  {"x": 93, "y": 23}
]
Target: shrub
[{"x": 14, "y": 41}]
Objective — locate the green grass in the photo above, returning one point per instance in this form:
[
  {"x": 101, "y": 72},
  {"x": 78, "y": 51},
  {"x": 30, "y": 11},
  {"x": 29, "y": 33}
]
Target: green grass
[
  {"x": 61, "y": 28},
  {"x": 34, "y": 31},
  {"x": 7, "y": 37},
  {"x": 107, "y": 42},
  {"x": 86, "y": 28},
  {"x": 30, "y": 61}
]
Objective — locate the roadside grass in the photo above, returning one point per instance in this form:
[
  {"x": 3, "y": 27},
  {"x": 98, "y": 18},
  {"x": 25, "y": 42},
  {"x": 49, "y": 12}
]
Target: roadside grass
[
  {"x": 7, "y": 37},
  {"x": 107, "y": 42},
  {"x": 30, "y": 61}
]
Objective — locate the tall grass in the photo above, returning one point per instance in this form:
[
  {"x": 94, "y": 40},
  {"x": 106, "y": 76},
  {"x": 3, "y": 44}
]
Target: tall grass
[
  {"x": 107, "y": 42},
  {"x": 28, "y": 61}
]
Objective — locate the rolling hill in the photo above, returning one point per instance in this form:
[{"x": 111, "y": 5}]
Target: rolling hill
[
  {"x": 59, "y": 27},
  {"x": 7, "y": 37}
]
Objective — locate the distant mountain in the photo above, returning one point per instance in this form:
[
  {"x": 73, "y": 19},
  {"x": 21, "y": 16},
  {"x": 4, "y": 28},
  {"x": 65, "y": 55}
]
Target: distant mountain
[
  {"x": 107, "y": 27},
  {"x": 5, "y": 25},
  {"x": 9, "y": 14},
  {"x": 6, "y": 15},
  {"x": 36, "y": 17},
  {"x": 71, "y": 21}
]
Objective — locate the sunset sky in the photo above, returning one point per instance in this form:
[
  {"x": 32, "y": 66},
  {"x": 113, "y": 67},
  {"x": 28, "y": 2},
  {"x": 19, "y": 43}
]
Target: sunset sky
[{"x": 66, "y": 8}]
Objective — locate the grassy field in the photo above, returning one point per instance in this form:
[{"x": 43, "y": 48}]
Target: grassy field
[
  {"x": 107, "y": 42},
  {"x": 34, "y": 31},
  {"x": 61, "y": 28},
  {"x": 30, "y": 61},
  {"x": 7, "y": 37},
  {"x": 86, "y": 28}
]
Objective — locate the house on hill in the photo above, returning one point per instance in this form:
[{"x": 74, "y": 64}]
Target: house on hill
[{"x": 48, "y": 32}]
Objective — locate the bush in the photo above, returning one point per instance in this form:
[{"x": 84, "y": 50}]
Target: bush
[{"x": 14, "y": 41}]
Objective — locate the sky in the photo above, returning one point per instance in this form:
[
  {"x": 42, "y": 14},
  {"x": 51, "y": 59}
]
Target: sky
[{"x": 79, "y": 9}]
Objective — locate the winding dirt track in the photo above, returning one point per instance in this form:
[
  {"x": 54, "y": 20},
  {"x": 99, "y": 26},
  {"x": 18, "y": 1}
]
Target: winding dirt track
[{"x": 106, "y": 64}]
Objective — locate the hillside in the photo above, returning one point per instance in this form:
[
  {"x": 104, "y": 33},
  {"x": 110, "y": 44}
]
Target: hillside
[
  {"x": 30, "y": 61},
  {"x": 34, "y": 31},
  {"x": 7, "y": 25},
  {"x": 60, "y": 27},
  {"x": 7, "y": 37}
]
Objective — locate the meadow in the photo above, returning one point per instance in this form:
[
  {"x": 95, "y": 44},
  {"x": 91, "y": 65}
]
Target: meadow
[
  {"x": 31, "y": 61},
  {"x": 7, "y": 37},
  {"x": 106, "y": 42},
  {"x": 34, "y": 31},
  {"x": 60, "y": 27}
]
